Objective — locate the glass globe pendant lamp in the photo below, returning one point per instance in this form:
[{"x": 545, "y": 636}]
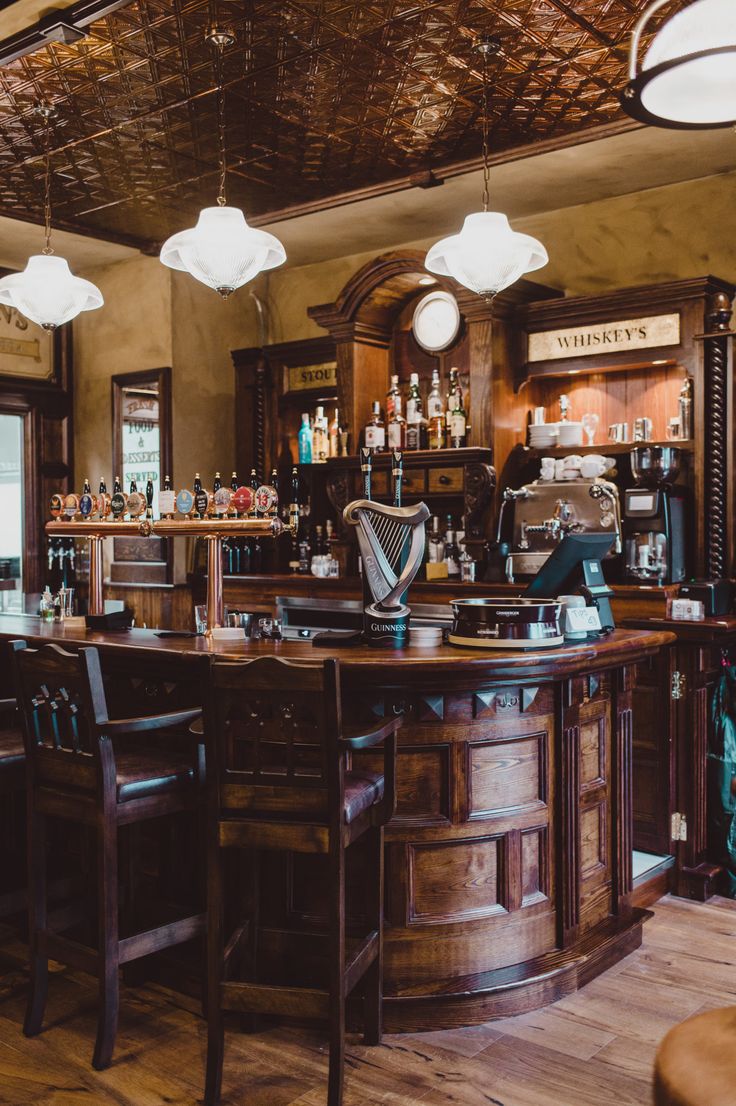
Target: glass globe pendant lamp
[
  {"x": 487, "y": 255},
  {"x": 222, "y": 251},
  {"x": 688, "y": 76},
  {"x": 47, "y": 292}
]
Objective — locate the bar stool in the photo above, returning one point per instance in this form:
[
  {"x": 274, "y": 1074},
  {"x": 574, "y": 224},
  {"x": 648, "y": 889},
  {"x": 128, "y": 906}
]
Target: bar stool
[
  {"x": 12, "y": 781},
  {"x": 278, "y": 778},
  {"x": 696, "y": 1061},
  {"x": 73, "y": 772}
]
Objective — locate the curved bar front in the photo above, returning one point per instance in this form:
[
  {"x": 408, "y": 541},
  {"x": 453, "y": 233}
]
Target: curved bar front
[{"x": 509, "y": 859}]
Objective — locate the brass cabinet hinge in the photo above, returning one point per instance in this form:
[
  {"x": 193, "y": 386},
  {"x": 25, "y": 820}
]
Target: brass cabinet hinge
[
  {"x": 678, "y": 685},
  {"x": 678, "y": 827}
]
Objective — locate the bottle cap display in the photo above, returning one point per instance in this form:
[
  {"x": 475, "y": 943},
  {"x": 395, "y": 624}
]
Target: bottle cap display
[
  {"x": 118, "y": 504},
  {"x": 87, "y": 505},
  {"x": 71, "y": 505},
  {"x": 184, "y": 501},
  {"x": 266, "y": 498},
  {"x": 221, "y": 500},
  {"x": 56, "y": 506},
  {"x": 243, "y": 500}
]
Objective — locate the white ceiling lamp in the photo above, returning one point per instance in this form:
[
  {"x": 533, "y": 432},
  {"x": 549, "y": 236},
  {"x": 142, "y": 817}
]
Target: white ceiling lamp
[
  {"x": 688, "y": 76},
  {"x": 487, "y": 255},
  {"x": 47, "y": 292},
  {"x": 222, "y": 251}
]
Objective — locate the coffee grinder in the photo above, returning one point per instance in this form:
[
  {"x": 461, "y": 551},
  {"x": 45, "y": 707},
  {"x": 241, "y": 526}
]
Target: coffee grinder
[{"x": 655, "y": 518}]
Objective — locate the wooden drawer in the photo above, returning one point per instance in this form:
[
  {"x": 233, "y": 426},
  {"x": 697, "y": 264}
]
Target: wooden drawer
[
  {"x": 379, "y": 484},
  {"x": 414, "y": 481},
  {"x": 445, "y": 481}
]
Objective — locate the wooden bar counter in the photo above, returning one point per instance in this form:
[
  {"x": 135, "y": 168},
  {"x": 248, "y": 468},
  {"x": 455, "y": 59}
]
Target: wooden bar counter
[{"x": 508, "y": 863}]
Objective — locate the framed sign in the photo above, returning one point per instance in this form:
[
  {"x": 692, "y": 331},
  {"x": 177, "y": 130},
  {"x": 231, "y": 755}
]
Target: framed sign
[
  {"x": 621, "y": 336},
  {"x": 26, "y": 350}
]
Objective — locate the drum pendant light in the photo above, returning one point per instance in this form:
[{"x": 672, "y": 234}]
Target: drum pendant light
[
  {"x": 688, "y": 77},
  {"x": 47, "y": 292},
  {"x": 222, "y": 251},
  {"x": 487, "y": 255}
]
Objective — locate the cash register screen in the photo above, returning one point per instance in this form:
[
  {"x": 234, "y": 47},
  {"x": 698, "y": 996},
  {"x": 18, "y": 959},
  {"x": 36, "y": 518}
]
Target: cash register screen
[{"x": 640, "y": 501}]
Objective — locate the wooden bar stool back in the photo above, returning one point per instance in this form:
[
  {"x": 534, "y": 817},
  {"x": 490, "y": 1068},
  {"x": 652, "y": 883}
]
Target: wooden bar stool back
[
  {"x": 75, "y": 773},
  {"x": 279, "y": 778},
  {"x": 12, "y": 782}
]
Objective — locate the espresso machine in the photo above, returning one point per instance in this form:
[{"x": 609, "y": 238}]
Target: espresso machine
[
  {"x": 655, "y": 518},
  {"x": 536, "y": 517}
]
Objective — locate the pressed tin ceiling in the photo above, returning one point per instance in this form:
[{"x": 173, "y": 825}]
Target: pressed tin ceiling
[{"x": 323, "y": 98}]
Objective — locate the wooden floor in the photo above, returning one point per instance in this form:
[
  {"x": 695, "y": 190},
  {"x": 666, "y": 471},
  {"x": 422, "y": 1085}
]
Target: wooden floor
[{"x": 595, "y": 1047}]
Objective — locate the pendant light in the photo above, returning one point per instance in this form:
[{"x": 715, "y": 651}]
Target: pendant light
[
  {"x": 487, "y": 255},
  {"x": 222, "y": 251},
  {"x": 47, "y": 292},
  {"x": 688, "y": 76}
]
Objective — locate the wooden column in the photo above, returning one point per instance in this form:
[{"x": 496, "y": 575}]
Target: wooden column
[{"x": 717, "y": 562}]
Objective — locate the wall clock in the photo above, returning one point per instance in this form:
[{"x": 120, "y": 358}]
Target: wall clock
[{"x": 436, "y": 321}]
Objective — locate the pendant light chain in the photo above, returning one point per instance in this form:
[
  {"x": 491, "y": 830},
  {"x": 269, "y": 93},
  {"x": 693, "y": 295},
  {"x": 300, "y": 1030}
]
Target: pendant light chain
[
  {"x": 45, "y": 111},
  {"x": 219, "y": 60},
  {"x": 486, "y": 167}
]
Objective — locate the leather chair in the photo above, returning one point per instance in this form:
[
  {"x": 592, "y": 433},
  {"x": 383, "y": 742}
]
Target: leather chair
[
  {"x": 279, "y": 778},
  {"x": 75, "y": 772},
  {"x": 696, "y": 1061}
]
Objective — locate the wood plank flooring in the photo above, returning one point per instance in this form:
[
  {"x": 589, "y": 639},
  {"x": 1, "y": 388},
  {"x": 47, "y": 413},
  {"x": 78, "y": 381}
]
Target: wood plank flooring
[{"x": 590, "y": 1049}]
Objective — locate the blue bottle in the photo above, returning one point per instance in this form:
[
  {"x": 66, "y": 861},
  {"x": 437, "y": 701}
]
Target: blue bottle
[{"x": 305, "y": 442}]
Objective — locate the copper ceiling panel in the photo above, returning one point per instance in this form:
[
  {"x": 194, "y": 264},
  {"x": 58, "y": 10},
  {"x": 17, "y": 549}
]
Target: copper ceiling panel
[{"x": 323, "y": 97}]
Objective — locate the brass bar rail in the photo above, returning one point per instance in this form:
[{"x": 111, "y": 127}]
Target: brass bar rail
[{"x": 213, "y": 530}]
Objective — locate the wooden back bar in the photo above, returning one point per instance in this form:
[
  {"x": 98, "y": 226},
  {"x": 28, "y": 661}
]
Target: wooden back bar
[{"x": 509, "y": 876}]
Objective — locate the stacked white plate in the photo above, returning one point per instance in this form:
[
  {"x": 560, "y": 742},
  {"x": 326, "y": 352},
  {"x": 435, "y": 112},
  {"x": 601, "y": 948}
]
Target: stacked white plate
[
  {"x": 570, "y": 433},
  {"x": 543, "y": 435}
]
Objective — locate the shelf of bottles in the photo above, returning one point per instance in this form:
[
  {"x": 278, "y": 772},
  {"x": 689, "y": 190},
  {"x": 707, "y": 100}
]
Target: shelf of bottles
[
  {"x": 403, "y": 426},
  {"x": 215, "y": 515}
]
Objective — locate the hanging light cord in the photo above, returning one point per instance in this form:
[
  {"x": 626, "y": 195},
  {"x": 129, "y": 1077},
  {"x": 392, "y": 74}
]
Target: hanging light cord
[
  {"x": 45, "y": 110},
  {"x": 486, "y": 167},
  {"x": 221, "y": 200}
]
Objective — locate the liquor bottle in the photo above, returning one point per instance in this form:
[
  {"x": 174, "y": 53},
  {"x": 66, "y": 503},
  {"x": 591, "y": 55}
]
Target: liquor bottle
[
  {"x": 396, "y": 425},
  {"x": 458, "y": 422},
  {"x": 451, "y": 557},
  {"x": 435, "y": 542},
  {"x": 320, "y": 438},
  {"x": 374, "y": 434},
  {"x": 305, "y": 441},
  {"x": 334, "y": 435},
  {"x": 451, "y": 396},
  {"x": 391, "y": 396},
  {"x": 294, "y": 508},
  {"x": 414, "y": 413},
  {"x": 167, "y": 499},
  {"x": 434, "y": 399},
  {"x": 436, "y": 427},
  {"x": 319, "y": 541}
]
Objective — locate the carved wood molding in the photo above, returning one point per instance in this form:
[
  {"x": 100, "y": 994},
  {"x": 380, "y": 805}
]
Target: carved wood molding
[{"x": 716, "y": 437}]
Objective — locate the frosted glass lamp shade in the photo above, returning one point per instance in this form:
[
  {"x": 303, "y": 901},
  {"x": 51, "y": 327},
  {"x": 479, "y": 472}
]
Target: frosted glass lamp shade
[
  {"x": 222, "y": 251},
  {"x": 487, "y": 255},
  {"x": 48, "y": 293},
  {"x": 688, "y": 76}
]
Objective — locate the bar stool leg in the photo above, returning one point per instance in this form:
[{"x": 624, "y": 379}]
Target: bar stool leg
[
  {"x": 215, "y": 954},
  {"x": 373, "y": 979},
  {"x": 37, "y": 922},
  {"x": 337, "y": 974},
  {"x": 108, "y": 948}
]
